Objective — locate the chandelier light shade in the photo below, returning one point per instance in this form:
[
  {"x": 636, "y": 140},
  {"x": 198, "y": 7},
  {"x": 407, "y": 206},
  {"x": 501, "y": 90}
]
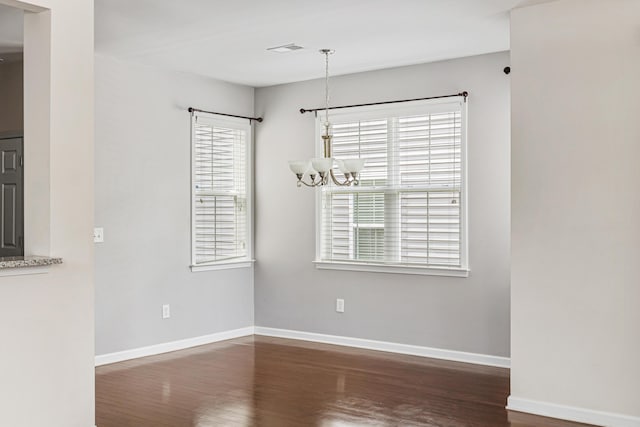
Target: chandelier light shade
[{"x": 319, "y": 170}]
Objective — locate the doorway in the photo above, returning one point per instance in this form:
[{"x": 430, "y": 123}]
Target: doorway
[{"x": 11, "y": 132}]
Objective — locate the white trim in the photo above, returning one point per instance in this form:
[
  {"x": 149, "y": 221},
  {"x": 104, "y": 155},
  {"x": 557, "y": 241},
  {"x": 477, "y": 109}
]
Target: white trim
[
  {"x": 105, "y": 359},
  {"x": 435, "y": 353},
  {"x": 571, "y": 413},
  {"x": 386, "y": 111},
  {"x": 464, "y": 194},
  {"x": 414, "y": 350},
  {"x": 239, "y": 124},
  {"x": 222, "y": 265},
  {"x": 389, "y": 268},
  {"x": 408, "y": 108},
  {"x": 24, "y": 271}
]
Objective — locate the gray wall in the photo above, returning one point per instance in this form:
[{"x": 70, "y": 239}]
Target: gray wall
[
  {"x": 143, "y": 202},
  {"x": 575, "y": 207},
  {"x": 11, "y": 98},
  {"x": 466, "y": 314}
]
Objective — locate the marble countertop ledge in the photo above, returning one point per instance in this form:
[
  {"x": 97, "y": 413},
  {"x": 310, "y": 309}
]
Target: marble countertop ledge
[{"x": 28, "y": 261}]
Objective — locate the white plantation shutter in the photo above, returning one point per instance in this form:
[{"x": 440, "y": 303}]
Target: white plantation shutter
[
  {"x": 409, "y": 209},
  {"x": 220, "y": 212}
]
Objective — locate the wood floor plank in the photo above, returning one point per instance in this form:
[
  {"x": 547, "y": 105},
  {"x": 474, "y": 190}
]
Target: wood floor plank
[{"x": 263, "y": 381}]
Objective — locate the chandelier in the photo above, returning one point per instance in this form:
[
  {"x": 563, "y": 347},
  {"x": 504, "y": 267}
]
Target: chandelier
[{"x": 320, "y": 169}]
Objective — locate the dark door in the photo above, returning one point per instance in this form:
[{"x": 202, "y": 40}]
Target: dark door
[{"x": 11, "y": 197}]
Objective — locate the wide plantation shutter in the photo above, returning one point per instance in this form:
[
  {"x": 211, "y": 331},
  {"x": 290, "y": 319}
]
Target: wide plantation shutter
[
  {"x": 219, "y": 190},
  {"x": 407, "y": 209}
]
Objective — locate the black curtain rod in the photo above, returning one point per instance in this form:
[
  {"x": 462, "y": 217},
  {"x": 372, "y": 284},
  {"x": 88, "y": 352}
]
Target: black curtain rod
[
  {"x": 465, "y": 94},
  {"x": 257, "y": 119}
]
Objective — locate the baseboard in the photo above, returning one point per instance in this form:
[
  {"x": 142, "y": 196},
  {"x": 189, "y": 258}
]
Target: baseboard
[
  {"x": 571, "y": 413},
  {"x": 105, "y": 359},
  {"x": 436, "y": 353}
]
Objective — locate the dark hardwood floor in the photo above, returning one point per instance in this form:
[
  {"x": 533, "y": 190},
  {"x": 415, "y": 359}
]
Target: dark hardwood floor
[{"x": 261, "y": 381}]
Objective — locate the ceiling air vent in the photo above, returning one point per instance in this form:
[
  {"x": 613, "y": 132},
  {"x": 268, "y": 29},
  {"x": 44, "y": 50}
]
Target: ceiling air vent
[{"x": 285, "y": 48}]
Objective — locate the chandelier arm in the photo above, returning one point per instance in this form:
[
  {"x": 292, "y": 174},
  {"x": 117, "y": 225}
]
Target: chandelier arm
[
  {"x": 301, "y": 182},
  {"x": 345, "y": 183},
  {"x": 311, "y": 183}
]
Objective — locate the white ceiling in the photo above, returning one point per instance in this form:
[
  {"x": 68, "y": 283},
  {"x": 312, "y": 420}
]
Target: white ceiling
[{"x": 227, "y": 40}]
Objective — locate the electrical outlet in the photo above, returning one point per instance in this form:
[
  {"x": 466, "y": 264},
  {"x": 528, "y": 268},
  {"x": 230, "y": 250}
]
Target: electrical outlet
[
  {"x": 98, "y": 235},
  {"x": 340, "y": 305},
  {"x": 166, "y": 311}
]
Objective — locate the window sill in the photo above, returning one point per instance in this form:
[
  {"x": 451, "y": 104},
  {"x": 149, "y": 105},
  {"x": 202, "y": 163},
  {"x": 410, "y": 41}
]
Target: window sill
[
  {"x": 397, "y": 269},
  {"x": 224, "y": 265},
  {"x": 19, "y": 266}
]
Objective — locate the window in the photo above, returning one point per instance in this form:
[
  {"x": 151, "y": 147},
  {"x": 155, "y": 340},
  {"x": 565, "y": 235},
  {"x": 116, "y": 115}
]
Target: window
[
  {"x": 408, "y": 214},
  {"x": 220, "y": 191}
]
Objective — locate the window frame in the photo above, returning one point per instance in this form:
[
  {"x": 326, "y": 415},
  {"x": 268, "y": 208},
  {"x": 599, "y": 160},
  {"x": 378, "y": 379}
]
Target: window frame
[
  {"x": 239, "y": 124},
  {"x": 387, "y": 111}
]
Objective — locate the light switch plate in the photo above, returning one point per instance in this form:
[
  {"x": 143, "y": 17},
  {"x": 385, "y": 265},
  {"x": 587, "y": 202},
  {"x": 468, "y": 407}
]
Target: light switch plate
[{"x": 98, "y": 235}]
